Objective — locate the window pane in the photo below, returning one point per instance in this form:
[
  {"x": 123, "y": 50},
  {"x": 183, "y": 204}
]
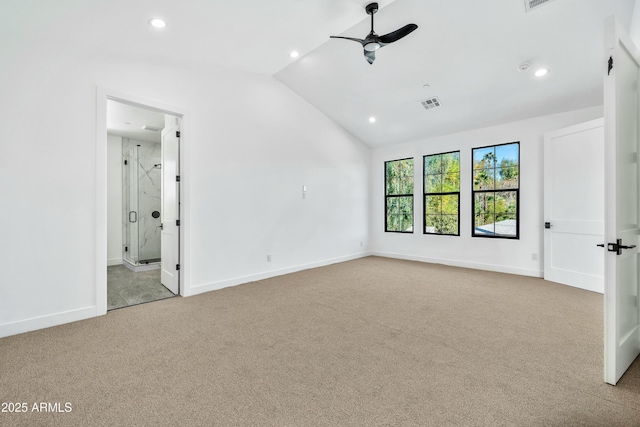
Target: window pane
[
  {"x": 451, "y": 182},
  {"x": 484, "y": 158},
  {"x": 483, "y": 225},
  {"x": 441, "y": 224},
  {"x": 433, "y": 204},
  {"x": 506, "y": 205},
  {"x": 484, "y": 217},
  {"x": 484, "y": 202},
  {"x": 449, "y": 224},
  {"x": 406, "y": 187},
  {"x": 406, "y": 173},
  {"x": 450, "y": 204},
  {"x": 451, "y": 162},
  {"x": 400, "y": 213},
  {"x": 483, "y": 179},
  {"x": 399, "y": 177},
  {"x": 506, "y": 213},
  {"x": 391, "y": 185},
  {"x": 507, "y": 155},
  {"x": 431, "y": 224},
  {"x": 433, "y": 184},
  {"x": 433, "y": 164},
  {"x": 507, "y": 178},
  {"x": 391, "y": 177}
]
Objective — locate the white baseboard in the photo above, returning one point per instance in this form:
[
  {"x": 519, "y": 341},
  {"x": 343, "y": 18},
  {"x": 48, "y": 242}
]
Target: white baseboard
[
  {"x": 114, "y": 261},
  {"x": 464, "y": 264},
  {"x": 42, "y": 322},
  {"x": 272, "y": 273}
]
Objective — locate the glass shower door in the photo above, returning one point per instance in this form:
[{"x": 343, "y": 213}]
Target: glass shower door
[{"x": 130, "y": 205}]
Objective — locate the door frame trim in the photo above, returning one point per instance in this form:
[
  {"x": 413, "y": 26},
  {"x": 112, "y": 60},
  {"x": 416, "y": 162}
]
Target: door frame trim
[{"x": 104, "y": 94}]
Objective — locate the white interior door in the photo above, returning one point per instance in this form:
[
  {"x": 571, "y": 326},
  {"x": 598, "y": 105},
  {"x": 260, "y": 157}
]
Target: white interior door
[
  {"x": 622, "y": 213},
  {"x": 574, "y": 206},
  {"x": 170, "y": 235}
]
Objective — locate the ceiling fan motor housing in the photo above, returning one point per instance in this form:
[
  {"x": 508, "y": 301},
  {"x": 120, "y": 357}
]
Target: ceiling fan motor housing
[{"x": 373, "y": 41}]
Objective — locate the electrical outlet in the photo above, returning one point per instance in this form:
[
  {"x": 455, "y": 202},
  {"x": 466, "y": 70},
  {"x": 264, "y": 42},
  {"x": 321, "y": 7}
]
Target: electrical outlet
[
  {"x": 360, "y": 243},
  {"x": 268, "y": 257},
  {"x": 534, "y": 257},
  {"x": 304, "y": 191}
]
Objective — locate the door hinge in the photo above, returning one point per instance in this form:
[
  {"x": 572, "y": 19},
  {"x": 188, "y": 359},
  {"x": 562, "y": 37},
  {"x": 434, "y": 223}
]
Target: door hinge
[
  {"x": 126, "y": 248},
  {"x": 125, "y": 162},
  {"x": 177, "y": 178},
  {"x": 178, "y": 222},
  {"x": 610, "y": 66},
  {"x": 177, "y": 134},
  {"x": 547, "y": 225},
  {"x": 177, "y": 266}
]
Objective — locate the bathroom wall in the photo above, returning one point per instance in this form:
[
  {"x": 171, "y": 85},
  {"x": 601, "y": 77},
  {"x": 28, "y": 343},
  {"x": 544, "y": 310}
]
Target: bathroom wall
[{"x": 149, "y": 154}]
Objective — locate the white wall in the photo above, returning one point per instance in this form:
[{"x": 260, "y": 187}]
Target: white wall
[
  {"x": 253, "y": 145},
  {"x": 634, "y": 30},
  {"x": 114, "y": 200},
  {"x": 512, "y": 256}
]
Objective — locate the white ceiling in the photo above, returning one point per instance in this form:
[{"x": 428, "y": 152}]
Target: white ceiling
[
  {"x": 127, "y": 121},
  {"x": 468, "y": 52}
]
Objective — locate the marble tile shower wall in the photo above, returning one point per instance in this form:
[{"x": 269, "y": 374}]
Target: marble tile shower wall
[{"x": 149, "y": 155}]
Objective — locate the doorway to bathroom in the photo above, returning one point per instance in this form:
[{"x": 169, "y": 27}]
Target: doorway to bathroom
[{"x": 143, "y": 156}]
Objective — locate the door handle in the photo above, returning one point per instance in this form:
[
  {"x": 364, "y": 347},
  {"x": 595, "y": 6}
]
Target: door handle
[
  {"x": 617, "y": 247},
  {"x": 135, "y": 216}
]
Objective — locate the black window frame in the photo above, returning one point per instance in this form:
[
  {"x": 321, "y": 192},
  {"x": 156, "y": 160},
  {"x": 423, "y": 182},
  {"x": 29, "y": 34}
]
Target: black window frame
[
  {"x": 514, "y": 190},
  {"x": 425, "y": 194},
  {"x": 386, "y": 197}
]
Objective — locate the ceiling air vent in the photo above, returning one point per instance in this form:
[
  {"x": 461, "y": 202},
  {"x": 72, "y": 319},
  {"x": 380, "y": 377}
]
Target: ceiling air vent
[
  {"x": 530, "y": 5},
  {"x": 431, "y": 103}
]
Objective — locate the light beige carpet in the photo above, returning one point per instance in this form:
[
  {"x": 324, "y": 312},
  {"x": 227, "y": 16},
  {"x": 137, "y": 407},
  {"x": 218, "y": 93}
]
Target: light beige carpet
[{"x": 368, "y": 342}]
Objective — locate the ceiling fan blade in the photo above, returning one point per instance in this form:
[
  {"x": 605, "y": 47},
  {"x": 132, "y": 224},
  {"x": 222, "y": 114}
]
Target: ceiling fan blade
[
  {"x": 398, "y": 34},
  {"x": 348, "y": 38},
  {"x": 370, "y": 56}
]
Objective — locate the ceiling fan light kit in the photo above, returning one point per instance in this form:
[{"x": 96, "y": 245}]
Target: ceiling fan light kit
[{"x": 373, "y": 41}]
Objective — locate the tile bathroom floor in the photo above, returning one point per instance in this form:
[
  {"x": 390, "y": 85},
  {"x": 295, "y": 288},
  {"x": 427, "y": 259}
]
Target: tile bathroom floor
[{"x": 125, "y": 288}]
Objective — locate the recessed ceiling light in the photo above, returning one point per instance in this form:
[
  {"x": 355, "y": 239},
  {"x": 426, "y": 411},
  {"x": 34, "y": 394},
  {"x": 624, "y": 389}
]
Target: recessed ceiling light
[
  {"x": 294, "y": 54},
  {"x": 372, "y": 119},
  {"x": 541, "y": 72},
  {"x": 157, "y": 23}
]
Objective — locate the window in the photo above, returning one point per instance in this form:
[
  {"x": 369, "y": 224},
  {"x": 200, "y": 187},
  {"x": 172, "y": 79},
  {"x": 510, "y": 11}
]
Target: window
[
  {"x": 496, "y": 183},
  {"x": 442, "y": 194},
  {"x": 399, "y": 196}
]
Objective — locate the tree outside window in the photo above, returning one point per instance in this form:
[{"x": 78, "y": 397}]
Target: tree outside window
[
  {"x": 496, "y": 190},
  {"x": 442, "y": 193},
  {"x": 399, "y": 196}
]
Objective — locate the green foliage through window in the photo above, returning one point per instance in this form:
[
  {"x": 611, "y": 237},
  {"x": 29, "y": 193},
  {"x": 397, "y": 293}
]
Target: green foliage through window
[
  {"x": 442, "y": 193},
  {"x": 399, "y": 195},
  {"x": 496, "y": 183}
]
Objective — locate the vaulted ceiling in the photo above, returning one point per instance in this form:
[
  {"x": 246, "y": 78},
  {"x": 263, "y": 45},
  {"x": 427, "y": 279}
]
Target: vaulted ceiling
[{"x": 465, "y": 52}]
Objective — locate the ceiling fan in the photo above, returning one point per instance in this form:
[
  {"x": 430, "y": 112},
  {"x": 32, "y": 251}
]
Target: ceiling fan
[{"x": 373, "y": 41}]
